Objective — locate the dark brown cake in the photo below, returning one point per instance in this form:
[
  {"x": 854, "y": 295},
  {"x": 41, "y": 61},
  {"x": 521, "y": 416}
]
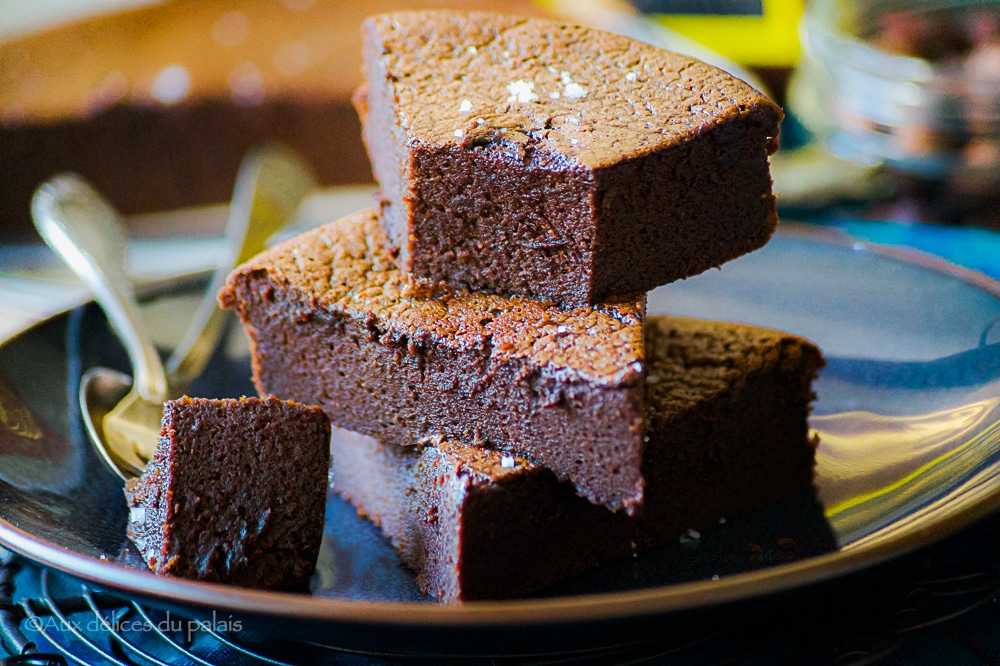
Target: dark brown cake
[
  {"x": 157, "y": 105},
  {"x": 726, "y": 423},
  {"x": 528, "y": 157},
  {"x": 329, "y": 325},
  {"x": 235, "y": 493}
]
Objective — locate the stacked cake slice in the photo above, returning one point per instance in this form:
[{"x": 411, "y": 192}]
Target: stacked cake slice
[
  {"x": 531, "y": 158},
  {"x": 518, "y": 416},
  {"x": 726, "y": 435},
  {"x": 330, "y": 324}
]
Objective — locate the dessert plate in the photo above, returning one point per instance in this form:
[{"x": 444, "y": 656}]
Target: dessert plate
[{"x": 907, "y": 411}]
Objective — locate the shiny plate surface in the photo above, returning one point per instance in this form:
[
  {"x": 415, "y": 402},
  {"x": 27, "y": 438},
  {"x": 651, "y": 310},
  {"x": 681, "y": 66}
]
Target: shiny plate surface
[{"x": 908, "y": 415}]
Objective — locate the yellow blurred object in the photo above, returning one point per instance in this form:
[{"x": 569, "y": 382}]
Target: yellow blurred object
[{"x": 767, "y": 40}]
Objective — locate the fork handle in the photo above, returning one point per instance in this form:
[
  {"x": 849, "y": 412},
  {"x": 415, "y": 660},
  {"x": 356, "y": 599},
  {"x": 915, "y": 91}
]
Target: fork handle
[
  {"x": 271, "y": 184},
  {"x": 83, "y": 229}
]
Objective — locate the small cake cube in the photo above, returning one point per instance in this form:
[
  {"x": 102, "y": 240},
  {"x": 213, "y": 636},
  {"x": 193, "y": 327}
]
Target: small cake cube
[{"x": 235, "y": 493}]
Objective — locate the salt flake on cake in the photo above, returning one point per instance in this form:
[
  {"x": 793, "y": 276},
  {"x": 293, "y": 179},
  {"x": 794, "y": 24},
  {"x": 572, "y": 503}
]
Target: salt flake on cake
[{"x": 522, "y": 91}]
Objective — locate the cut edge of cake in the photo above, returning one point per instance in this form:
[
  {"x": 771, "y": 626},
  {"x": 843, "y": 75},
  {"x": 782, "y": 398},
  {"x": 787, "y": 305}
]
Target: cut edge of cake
[
  {"x": 235, "y": 492},
  {"x": 477, "y": 524},
  {"x": 330, "y": 324}
]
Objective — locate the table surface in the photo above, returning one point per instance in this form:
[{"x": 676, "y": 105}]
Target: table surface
[{"x": 938, "y": 605}]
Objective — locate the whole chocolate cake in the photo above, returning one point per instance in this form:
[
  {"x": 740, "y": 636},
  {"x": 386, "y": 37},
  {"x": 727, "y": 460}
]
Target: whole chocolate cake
[
  {"x": 726, "y": 427},
  {"x": 235, "y": 493},
  {"x": 528, "y": 157},
  {"x": 330, "y": 325}
]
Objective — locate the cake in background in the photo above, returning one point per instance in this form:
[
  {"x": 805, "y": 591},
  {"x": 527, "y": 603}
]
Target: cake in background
[{"x": 156, "y": 106}]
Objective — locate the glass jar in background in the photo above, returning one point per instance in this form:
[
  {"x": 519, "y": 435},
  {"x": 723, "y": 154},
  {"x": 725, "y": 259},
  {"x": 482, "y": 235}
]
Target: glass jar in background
[{"x": 913, "y": 85}]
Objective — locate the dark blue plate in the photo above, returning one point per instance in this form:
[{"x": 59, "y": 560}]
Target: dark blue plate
[{"x": 908, "y": 413}]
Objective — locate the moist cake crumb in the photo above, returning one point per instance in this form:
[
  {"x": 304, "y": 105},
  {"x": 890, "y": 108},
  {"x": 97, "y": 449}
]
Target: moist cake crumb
[{"x": 235, "y": 492}]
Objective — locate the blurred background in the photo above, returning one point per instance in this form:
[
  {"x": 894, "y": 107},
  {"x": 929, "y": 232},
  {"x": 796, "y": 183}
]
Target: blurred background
[
  {"x": 892, "y": 134},
  {"x": 893, "y": 107}
]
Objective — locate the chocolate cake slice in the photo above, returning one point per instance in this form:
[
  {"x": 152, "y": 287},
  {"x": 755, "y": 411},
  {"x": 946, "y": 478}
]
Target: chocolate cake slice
[
  {"x": 235, "y": 493},
  {"x": 329, "y": 325},
  {"x": 527, "y": 157},
  {"x": 726, "y": 426}
]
